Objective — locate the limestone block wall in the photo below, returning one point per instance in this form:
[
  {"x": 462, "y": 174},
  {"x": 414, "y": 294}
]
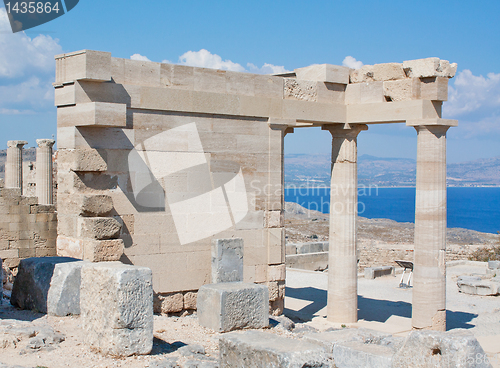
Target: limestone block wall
[
  {"x": 27, "y": 229},
  {"x": 176, "y": 177}
]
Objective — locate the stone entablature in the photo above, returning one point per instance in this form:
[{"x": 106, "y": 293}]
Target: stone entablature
[{"x": 188, "y": 154}]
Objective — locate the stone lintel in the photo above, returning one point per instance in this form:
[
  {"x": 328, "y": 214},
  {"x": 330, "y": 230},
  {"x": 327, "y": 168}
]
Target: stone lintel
[
  {"x": 18, "y": 144},
  {"x": 437, "y": 121}
]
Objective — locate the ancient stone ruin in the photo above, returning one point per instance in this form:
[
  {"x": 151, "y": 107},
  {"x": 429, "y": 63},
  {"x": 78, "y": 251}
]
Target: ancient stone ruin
[
  {"x": 29, "y": 223},
  {"x": 158, "y": 160},
  {"x": 170, "y": 199}
]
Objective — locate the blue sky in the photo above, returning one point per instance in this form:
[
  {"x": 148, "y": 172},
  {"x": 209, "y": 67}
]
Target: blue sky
[{"x": 267, "y": 36}]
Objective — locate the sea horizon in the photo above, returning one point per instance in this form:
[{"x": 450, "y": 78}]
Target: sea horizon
[{"x": 473, "y": 208}]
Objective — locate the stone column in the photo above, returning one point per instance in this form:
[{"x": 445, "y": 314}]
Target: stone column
[
  {"x": 429, "y": 283},
  {"x": 14, "y": 165},
  {"x": 342, "y": 259},
  {"x": 44, "y": 185}
]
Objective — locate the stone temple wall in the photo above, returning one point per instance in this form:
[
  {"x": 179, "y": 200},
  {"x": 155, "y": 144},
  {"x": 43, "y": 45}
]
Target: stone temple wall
[
  {"x": 175, "y": 179},
  {"x": 157, "y": 160}
]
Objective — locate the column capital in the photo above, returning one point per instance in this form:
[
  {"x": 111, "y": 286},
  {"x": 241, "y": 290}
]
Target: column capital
[
  {"x": 14, "y": 144},
  {"x": 45, "y": 142},
  {"x": 432, "y": 122},
  {"x": 345, "y": 130},
  {"x": 281, "y": 124}
]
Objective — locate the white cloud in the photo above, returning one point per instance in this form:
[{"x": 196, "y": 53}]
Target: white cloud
[
  {"x": 352, "y": 63},
  {"x": 471, "y": 93},
  {"x": 20, "y": 55},
  {"x": 205, "y": 59},
  {"x": 267, "y": 69},
  {"x": 33, "y": 94},
  {"x": 475, "y": 102},
  {"x": 139, "y": 57},
  {"x": 27, "y": 69}
]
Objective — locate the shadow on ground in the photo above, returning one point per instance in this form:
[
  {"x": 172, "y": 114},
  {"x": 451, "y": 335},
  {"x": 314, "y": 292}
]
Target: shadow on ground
[
  {"x": 161, "y": 347},
  {"x": 374, "y": 310},
  {"x": 7, "y": 311}
]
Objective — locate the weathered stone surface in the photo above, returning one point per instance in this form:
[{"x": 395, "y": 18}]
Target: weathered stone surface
[
  {"x": 201, "y": 363},
  {"x": 300, "y": 90},
  {"x": 356, "y": 354},
  {"x": 426, "y": 349},
  {"x": 169, "y": 362},
  {"x": 64, "y": 293},
  {"x": 429, "y": 67},
  {"x": 83, "y": 159},
  {"x": 282, "y": 323},
  {"x": 312, "y": 247},
  {"x": 367, "y": 92},
  {"x": 102, "y": 250},
  {"x": 358, "y": 347},
  {"x": 190, "y": 300},
  {"x": 228, "y": 306},
  {"x": 99, "y": 228},
  {"x": 329, "y": 339},
  {"x": 402, "y": 90},
  {"x": 276, "y": 272},
  {"x": 308, "y": 261},
  {"x": 373, "y": 272},
  {"x": 87, "y": 205},
  {"x": 227, "y": 260},
  {"x": 494, "y": 265},
  {"x": 378, "y": 72},
  {"x": 475, "y": 285},
  {"x": 117, "y": 308},
  {"x": 169, "y": 303},
  {"x": 255, "y": 349},
  {"x": 19, "y": 334},
  {"x": 33, "y": 282},
  {"x": 191, "y": 350},
  {"x": 434, "y": 88},
  {"x": 324, "y": 73}
]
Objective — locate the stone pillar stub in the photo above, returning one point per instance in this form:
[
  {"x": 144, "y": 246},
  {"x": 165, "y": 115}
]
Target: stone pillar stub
[
  {"x": 14, "y": 165},
  {"x": 429, "y": 285},
  {"x": 44, "y": 185},
  {"x": 342, "y": 270},
  {"x": 227, "y": 260}
]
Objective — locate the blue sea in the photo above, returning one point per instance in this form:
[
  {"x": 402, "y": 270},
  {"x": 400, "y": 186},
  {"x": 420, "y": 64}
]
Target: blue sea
[{"x": 475, "y": 208}]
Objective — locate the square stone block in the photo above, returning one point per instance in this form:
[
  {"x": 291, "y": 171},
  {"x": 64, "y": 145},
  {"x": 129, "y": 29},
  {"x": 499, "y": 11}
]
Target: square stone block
[
  {"x": 227, "y": 260},
  {"x": 229, "y": 306},
  {"x": 48, "y": 285},
  {"x": 256, "y": 349},
  {"x": 116, "y": 303},
  {"x": 324, "y": 73}
]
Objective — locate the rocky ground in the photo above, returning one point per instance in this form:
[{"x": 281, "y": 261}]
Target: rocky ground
[{"x": 29, "y": 339}]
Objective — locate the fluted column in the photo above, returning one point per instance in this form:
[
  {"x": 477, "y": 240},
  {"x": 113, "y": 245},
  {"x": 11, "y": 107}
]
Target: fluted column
[
  {"x": 429, "y": 286},
  {"x": 342, "y": 259},
  {"x": 44, "y": 183},
  {"x": 14, "y": 164}
]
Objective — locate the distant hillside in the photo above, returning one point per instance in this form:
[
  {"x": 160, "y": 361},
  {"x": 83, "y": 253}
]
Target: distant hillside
[{"x": 304, "y": 169}]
